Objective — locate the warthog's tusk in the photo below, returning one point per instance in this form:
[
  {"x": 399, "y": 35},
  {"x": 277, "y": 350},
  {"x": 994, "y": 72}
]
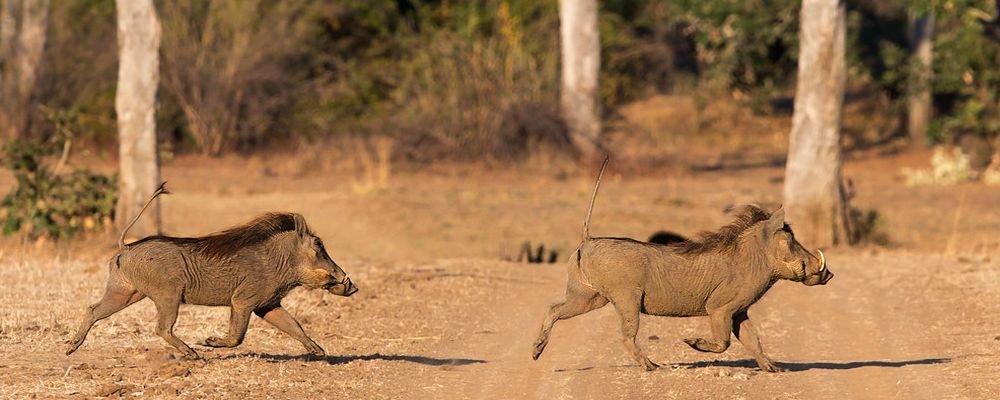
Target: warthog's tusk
[{"x": 822, "y": 260}]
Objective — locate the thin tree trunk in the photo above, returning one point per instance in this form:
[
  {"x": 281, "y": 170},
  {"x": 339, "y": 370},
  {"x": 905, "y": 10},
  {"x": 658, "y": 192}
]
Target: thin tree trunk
[
  {"x": 8, "y": 29},
  {"x": 21, "y": 64},
  {"x": 581, "y": 62},
  {"x": 8, "y": 38},
  {"x": 919, "y": 104},
  {"x": 813, "y": 197},
  {"x": 135, "y": 101}
]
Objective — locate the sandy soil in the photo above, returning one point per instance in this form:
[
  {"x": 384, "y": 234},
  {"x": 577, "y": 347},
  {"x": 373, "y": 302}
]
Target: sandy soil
[{"x": 440, "y": 315}]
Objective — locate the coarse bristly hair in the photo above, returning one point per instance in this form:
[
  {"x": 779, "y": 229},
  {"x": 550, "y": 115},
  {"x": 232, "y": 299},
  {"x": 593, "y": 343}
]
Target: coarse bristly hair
[
  {"x": 727, "y": 237},
  {"x": 230, "y": 241}
]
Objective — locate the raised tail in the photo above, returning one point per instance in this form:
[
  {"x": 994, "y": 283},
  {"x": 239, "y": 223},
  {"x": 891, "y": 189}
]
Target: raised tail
[
  {"x": 593, "y": 198},
  {"x": 160, "y": 190}
]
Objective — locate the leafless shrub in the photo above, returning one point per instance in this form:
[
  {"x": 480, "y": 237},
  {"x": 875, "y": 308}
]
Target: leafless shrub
[{"x": 223, "y": 62}]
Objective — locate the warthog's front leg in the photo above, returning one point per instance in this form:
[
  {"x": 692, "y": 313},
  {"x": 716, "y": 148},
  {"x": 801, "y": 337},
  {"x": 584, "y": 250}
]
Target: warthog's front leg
[
  {"x": 239, "y": 317},
  {"x": 629, "y": 312},
  {"x": 166, "y": 317},
  {"x": 722, "y": 325},
  {"x": 284, "y": 321},
  {"x": 747, "y": 334}
]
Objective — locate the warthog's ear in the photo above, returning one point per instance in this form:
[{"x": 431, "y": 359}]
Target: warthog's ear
[
  {"x": 300, "y": 225},
  {"x": 315, "y": 278},
  {"x": 775, "y": 223}
]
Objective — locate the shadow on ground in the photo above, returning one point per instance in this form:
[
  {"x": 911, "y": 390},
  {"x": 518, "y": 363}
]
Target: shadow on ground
[
  {"x": 788, "y": 366},
  {"x": 344, "y": 359},
  {"x": 791, "y": 366}
]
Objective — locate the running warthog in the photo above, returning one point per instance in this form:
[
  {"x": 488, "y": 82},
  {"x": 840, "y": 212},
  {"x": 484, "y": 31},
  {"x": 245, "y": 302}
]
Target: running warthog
[
  {"x": 249, "y": 268},
  {"x": 721, "y": 274}
]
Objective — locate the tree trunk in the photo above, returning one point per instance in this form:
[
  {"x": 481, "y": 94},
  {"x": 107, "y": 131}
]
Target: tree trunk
[
  {"x": 135, "y": 101},
  {"x": 8, "y": 29},
  {"x": 8, "y": 37},
  {"x": 581, "y": 62},
  {"x": 813, "y": 197},
  {"x": 23, "y": 54},
  {"x": 919, "y": 104}
]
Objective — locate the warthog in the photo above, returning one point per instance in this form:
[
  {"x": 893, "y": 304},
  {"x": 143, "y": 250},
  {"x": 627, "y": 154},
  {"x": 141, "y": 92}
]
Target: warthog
[
  {"x": 720, "y": 274},
  {"x": 249, "y": 268}
]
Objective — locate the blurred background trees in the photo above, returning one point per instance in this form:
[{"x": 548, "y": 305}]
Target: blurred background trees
[
  {"x": 22, "y": 39},
  {"x": 478, "y": 78}
]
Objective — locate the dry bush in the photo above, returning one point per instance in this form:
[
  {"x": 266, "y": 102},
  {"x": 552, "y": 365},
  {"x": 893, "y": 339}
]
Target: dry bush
[
  {"x": 373, "y": 157},
  {"x": 471, "y": 99},
  {"x": 226, "y": 63},
  {"x": 948, "y": 167}
]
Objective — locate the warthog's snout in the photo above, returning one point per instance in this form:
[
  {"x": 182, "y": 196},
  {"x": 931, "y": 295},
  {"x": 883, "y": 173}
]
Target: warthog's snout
[
  {"x": 823, "y": 276},
  {"x": 345, "y": 288}
]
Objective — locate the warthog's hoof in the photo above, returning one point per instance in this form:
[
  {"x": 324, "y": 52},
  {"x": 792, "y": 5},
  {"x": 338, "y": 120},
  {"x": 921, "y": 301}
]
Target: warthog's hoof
[
  {"x": 768, "y": 366},
  {"x": 72, "y": 346},
  {"x": 216, "y": 342},
  {"x": 649, "y": 365},
  {"x": 539, "y": 347},
  {"x": 317, "y": 352},
  {"x": 704, "y": 345}
]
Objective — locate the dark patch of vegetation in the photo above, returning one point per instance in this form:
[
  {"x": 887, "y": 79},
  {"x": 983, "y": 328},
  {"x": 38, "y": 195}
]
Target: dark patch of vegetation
[
  {"x": 46, "y": 202},
  {"x": 867, "y": 227}
]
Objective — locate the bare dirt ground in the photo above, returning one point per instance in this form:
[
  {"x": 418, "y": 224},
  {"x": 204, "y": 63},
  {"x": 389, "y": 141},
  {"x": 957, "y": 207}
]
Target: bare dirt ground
[{"x": 440, "y": 315}]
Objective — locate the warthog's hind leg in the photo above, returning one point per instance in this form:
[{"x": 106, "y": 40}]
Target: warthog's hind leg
[
  {"x": 284, "y": 321},
  {"x": 239, "y": 317},
  {"x": 628, "y": 310},
  {"x": 579, "y": 300},
  {"x": 118, "y": 295},
  {"x": 747, "y": 334},
  {"x": 722, "y": 325}
]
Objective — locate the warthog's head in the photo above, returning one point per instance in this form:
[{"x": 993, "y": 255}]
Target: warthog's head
[
  {"x": 319, "y": 270},
  {"x": 787, "y": 256}
]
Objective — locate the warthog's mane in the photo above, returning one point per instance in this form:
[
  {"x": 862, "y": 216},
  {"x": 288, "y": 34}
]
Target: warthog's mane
[
  {"x": 230, "y": 241},
  {"x": 726, "y": 238}
]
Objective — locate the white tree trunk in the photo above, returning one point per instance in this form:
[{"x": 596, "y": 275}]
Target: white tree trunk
[
  {"x": 23, "y": 55},
  {"x": 919, "y": 104},
  {"x": 813, "y": 196},
  {"x": 135, "y": 101},
  {"x": 581, "y": 63}
]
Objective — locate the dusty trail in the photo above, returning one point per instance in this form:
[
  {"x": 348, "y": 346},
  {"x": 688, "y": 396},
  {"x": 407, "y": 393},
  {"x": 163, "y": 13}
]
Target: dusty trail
[
  {"x": 463, "y": 328},
  {"x": 875, "y": 332}
]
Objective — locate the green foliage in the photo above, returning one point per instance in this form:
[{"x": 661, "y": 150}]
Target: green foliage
[
  {"x": 967, "y": 70},
  {"x": 46, "y": 203},
  {"x": 744, "y": 44}
]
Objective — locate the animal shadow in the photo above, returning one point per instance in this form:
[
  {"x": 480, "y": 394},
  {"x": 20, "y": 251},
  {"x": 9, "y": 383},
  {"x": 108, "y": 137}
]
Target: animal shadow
[
  {"x": 796, "y": 367},
  {"x": 345, "y": 359}
]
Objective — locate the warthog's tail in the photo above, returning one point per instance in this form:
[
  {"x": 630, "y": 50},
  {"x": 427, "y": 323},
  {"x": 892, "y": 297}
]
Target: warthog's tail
[
  {"x": 593, "y": 199},
  {"x": 160, "y": 190}
]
